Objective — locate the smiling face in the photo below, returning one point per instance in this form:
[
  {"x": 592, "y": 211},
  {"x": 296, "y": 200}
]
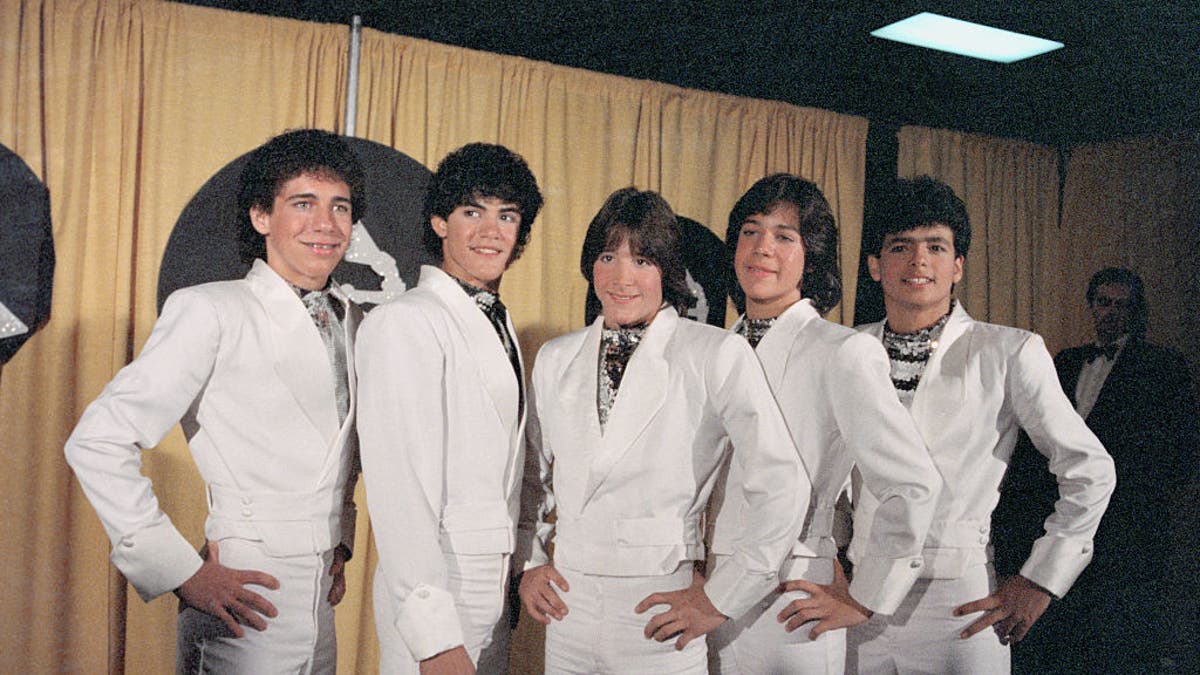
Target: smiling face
[
  {"x": 307, "y": 229},
  {"x": 629, "y": 286},
  {"x": 478, "y": 239},
  {"x": 917, "y": 269},
  {"x": 769, "y": 261}
]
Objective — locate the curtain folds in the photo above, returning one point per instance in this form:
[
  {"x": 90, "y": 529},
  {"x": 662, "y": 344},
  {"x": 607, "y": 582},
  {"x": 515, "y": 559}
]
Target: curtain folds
[
  {"x": 1134, "y": 203},
  {"x": 126, "y": 107},
  {"x": 1041, "y": 230},
  {"x": 1011, "y": 192},
  {"x": 586, "y": 134}
]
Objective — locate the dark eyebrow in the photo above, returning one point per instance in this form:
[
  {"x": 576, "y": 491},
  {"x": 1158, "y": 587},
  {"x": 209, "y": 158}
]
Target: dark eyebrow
[
  {"x": 901, "y": 239},
  {"x": 759, "y": 219},
  {"x": 313, "y": 196},
  {"x": 506, "y": 207}
]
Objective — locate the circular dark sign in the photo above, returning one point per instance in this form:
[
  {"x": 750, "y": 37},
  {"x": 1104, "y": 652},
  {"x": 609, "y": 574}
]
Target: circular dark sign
[
  {"x": 385, "y": 253},
  {"x": 26, "y": 254}
]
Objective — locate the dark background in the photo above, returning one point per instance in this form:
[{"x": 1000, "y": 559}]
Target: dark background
[{"x": 1128, "y": 68}]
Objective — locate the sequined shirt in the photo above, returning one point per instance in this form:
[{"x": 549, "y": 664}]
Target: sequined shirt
[
  {"x": 616, "y": 348},
  {"x": 754, "y": 329},
  {"x": 909, "y": 353}
]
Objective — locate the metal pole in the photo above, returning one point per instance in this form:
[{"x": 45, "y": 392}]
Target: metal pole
[{"x": 352, "y": 81}]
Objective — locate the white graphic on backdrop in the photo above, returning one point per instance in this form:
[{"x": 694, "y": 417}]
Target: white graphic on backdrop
[{"x": 364, "y": 251}]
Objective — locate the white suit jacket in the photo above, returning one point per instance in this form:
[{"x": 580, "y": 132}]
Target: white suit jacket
[
  {"x": 833, "y": 387},
  {"x": 243, "y": 369},
  {"x": 982, "y": 384},
  {"x": 442, "y": 448},
  {"x": 630, "y": 500}
]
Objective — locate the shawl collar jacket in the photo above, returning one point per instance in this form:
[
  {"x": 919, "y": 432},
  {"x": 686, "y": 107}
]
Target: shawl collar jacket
[
  {"x": 240, "y": 365},
  {"x": 1145, "y": 413},
  {"x": 630, "y": 500},
  {"x": 442, "y": 449},
  {"x": 983, "y": 384},
  {"x": 833, "y": 387}
]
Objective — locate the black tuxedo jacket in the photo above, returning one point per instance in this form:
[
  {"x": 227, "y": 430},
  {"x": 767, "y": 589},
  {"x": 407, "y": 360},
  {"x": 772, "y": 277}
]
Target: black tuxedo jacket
[
  {"x": 1146, "y": 417},
  {"x": 1145, "y": 414}
]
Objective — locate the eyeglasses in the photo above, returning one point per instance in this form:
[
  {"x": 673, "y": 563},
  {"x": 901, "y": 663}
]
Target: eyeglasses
[{"x": 1102, "y": 301}]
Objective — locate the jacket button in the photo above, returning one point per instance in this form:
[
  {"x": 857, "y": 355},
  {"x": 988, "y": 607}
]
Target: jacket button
[
  {"x": 247, "y": 501},
  {"x": 915, "y": 564},
  {"x": 983, "y": 540},
  {"x": 422, "y": 594},
  {"x": 247, "y": 513},
  {"x": 983, "y": 529}
]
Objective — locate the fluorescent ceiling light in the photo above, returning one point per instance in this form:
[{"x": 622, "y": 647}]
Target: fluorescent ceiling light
[{"x": 963, "y": 37}]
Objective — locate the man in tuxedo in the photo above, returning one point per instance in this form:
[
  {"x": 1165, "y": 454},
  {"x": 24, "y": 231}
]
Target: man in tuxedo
[{"x": 1139, "y": 400}]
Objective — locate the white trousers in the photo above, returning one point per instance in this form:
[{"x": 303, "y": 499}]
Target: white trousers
[
  {"x": 299, "y": 640},
  {"x": 923, "y": 635},
  {"x": 479, "y": 584},
  {"x": 757, "y": 644},
  {"x": 602, "y": 634}
]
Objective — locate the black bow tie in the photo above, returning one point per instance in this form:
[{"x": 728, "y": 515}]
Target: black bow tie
[{"x": 1108, "y": 351}]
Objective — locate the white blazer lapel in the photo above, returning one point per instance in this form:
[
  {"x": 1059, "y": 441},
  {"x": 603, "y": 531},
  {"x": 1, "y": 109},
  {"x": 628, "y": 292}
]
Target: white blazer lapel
[
  {"x": 941, "y": 389},
  {"x": 577, "y": 390},
  {"x": 776, "y": 346},
  {"x": 495, "y": 370},
  {"x": 300, "y": 359},
  {"x": 643, "y": 391}
]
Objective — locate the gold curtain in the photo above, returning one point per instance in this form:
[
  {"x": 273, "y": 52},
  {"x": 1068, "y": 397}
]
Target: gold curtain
[
  {"x": 1134, "y": 203},
  {"x": 586, "y": 134},
  {"x": 1011, "y": 192},
  {"x": 126, "y": 107}
]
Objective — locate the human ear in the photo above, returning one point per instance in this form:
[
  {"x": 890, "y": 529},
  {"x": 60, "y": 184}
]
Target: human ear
[
  {"x": 261, "y": 220},
  {"x": 439, "y": 226},
  {"x": 873, "y": 266}
]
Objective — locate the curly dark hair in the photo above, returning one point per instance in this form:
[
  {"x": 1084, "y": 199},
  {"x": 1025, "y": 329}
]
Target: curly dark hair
[
  {"x": 911, "y": 203},
  {"x": 646, "y": 220},
  {"x": 284, "y": 157},
  {"x": 481, "y": 170},
  {"x": 821, "y": 280}
]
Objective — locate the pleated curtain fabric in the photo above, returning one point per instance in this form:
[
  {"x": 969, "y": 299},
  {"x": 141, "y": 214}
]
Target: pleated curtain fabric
[{"x": 125, "y": 108}]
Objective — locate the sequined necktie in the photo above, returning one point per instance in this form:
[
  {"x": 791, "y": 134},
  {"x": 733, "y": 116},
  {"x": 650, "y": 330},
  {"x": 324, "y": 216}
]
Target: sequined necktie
[
  {"x": 489, "y": 303},
  {"x": 320, "y": 309},
  {"x": 755, "y": 329},
  {"x": 616, "y": 348}
]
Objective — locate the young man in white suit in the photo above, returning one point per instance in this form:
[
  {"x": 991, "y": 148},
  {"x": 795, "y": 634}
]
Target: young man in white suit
[
  {"x": 442, "y": 425},
  {"x": 832, "y": 386},
  {"x": 970, "y": 386},
  {"x": 258, "y": 372},
  {"x": 631, "y": 421}
]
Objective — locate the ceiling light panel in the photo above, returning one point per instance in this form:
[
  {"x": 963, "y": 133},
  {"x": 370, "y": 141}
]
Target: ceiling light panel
[{"x": 963, "y": 37}]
